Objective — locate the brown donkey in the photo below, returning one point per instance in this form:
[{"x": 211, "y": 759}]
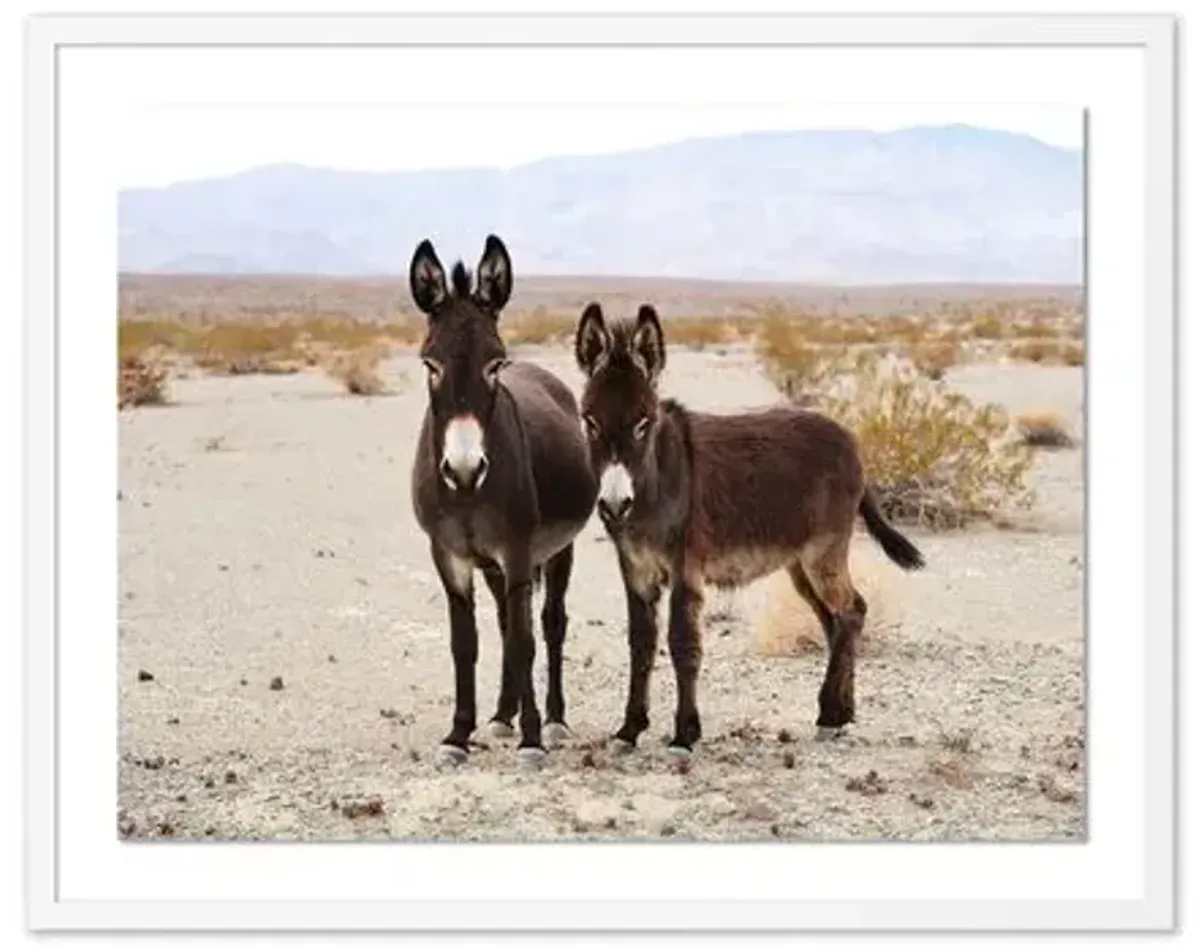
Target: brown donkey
[
  {"x": 502, "y": 483},
  {"x": 692, "y": 499}
]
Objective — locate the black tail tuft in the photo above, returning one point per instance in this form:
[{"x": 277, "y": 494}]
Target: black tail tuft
[{"x": 895, "y": 545}]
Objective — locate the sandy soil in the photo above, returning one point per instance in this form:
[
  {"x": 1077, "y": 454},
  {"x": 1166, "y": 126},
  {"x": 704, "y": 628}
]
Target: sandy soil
[{"x": 266, "y": 534}]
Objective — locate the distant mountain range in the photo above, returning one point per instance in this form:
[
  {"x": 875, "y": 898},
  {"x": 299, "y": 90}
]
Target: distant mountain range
[{"x": 928, "y": 204}]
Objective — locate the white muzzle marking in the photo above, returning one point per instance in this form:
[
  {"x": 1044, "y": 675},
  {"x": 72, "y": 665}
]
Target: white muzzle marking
[
  {"x": 462, "y": 449},
  {"x": 616, "y": 486}
]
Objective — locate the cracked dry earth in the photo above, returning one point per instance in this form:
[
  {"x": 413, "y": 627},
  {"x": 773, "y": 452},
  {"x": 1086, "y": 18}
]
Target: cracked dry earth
[{"x": 285, "y": 670}]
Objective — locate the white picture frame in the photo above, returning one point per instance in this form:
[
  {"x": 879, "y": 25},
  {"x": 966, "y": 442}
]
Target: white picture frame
[{"x": 1141, "y": 894}]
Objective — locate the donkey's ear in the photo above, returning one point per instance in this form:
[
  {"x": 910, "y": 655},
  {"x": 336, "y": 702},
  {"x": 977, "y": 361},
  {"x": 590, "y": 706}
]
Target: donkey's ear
[
  {"x": 426, "y": 278},
  {"x": 592, "y": 339},
  {"x": 494, "y": 274},
  {"x": 649, "y": 349}
]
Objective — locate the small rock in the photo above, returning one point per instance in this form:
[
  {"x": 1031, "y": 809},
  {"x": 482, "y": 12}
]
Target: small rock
[
  {"x": 789, "y": 760},
  {"x": 243, "y": 681},
  {"x": 210, "y": 782},
  {"x": 210, "y": 831},
  {"x": 144, "y": 676},
  {"x": 389, "y": 713},
  {"x": 667, "y": 831},
  {"x": 761, "y": 811},
  {"x": 414, "y": 754},
  {"x": 785, "y": 736},
  {"x": 165, "y": 829},
  {"x": 331, "y": 658},
  {"x": 172, "y": 720},
  {"x": 907, "y": 741},
  {"x": 869, "y": 784},
  {"x": 181, "y": 798},
  {"x": 372, "y": 807},
  {"x": 921, "y": 801},
  {"x": 588, "y": 760},
  {"x": 277, "y": 683},
  {"x": 222, "y": 567},
  {"x": 231, "y": 777}
]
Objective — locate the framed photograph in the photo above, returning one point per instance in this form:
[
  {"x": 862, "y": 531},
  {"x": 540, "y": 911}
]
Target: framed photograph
[{"x": 601, "y": 472}]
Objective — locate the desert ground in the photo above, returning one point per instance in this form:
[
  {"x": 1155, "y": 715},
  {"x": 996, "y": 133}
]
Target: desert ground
[{"x": 285, "y": 672}]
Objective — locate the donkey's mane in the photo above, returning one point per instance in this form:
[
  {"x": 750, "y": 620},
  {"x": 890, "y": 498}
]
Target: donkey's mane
[{"x": 460, "y": 280}]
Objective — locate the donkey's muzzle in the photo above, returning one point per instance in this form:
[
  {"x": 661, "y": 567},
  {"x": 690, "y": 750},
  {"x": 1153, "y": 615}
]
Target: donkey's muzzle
[{"x": 464, "y": 478}]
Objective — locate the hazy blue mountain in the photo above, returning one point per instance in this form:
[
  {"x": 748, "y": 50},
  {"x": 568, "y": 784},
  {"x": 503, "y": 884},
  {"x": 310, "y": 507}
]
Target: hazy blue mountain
[{"x": 946, "y": 203}]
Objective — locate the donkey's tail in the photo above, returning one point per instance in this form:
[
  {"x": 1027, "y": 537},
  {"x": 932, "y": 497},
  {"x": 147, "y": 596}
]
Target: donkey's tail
[{"x": 895, "y": 545}]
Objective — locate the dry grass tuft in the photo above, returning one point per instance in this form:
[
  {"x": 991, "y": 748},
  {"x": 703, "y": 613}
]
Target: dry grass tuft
[
  {"x": 787, "y": 626},
  {"x": 358, "y": 371},
  {"x": 142, "y": 380},
  {"x": 1044, "y": 428}
]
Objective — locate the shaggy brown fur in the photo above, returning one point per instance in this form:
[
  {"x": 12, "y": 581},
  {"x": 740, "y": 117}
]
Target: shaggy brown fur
[
  {"x": 693, "y": 499},
  {"x": 501, "y": 483}
]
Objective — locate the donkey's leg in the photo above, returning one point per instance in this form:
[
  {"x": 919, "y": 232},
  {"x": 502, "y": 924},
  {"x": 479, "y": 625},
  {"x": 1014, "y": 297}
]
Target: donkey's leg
[
  {"x": 683, "y": 638},
  {"x": 519, "y": 650},
  {"x": 456, "y": 577},
  {"x": 827, "y": 568},
  {"x": 642, "y": 597},
  {"x": 506, "y": 705},
  {"x": 554, "y": 631},
  {"x": 804, "y": 588}
]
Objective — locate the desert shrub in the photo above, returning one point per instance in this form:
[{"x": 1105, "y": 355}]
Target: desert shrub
[
  {"x": 1033, "y": 351},
  {"x": 936, "y": 459},
  {"x": 141, "y": 380},
  {"x": 1047, "y": 352},
  {"x": 987, "y": 327},
  {"x": 1044, "y": 429}
]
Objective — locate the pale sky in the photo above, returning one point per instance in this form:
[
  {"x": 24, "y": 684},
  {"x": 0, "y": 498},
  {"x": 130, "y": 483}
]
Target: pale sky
[{"x": 194, "y": 112}]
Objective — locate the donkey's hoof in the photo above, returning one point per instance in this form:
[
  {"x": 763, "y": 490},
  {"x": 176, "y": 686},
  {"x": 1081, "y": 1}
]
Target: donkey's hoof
[
  {"x": 451, "y": 755},
  {"x": 531, "y": 757},
  {"x": 622, "y": 746},
  {"x": 500, "y": 730},
  {"x": 679, "y": 752},
  {"x": 554, "y": 734},
  {"x": 831, "y": 733}
]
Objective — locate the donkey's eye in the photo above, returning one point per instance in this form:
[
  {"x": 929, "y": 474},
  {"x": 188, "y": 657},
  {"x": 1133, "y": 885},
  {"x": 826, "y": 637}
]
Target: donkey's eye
[
  {"x": 591, "y": 427},
  {"x": 642, "y": 427},
  {"x": 435, "y": 372},
  {"x": 491, "y": 371}
]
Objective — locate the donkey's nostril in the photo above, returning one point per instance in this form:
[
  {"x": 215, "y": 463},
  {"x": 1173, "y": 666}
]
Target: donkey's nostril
[
  {"x": 615, "y": 509},
  {"x": 461, "y": 478}
]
